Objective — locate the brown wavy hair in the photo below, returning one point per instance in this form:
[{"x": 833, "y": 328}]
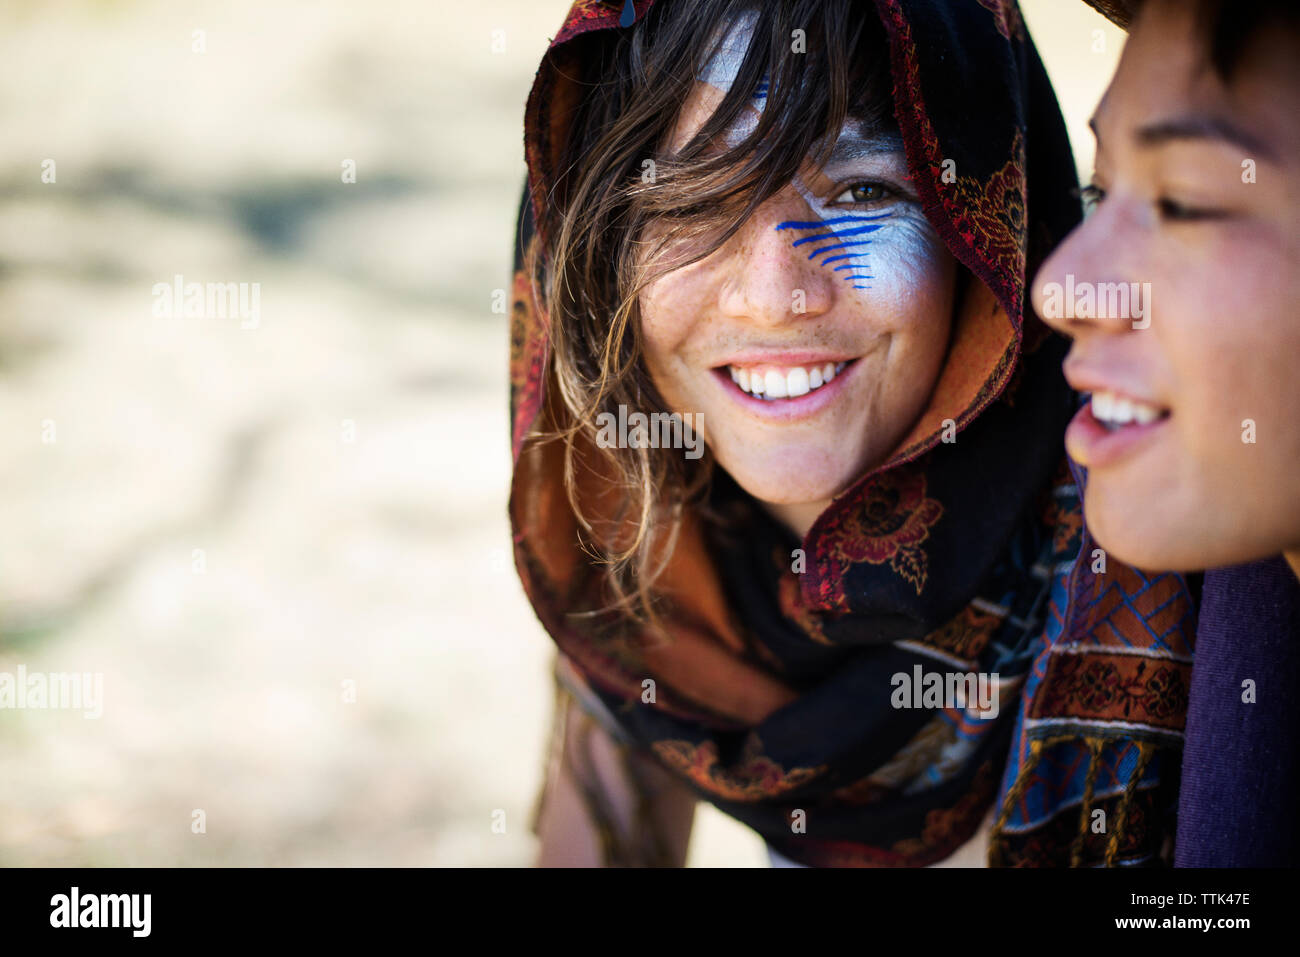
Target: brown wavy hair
[{"x": 615, "y": 230}]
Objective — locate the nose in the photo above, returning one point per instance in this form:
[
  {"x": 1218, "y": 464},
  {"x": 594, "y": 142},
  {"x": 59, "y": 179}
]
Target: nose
[
  {"x": 773, "y": 272},
  {"x": 1077, "y": 287}
]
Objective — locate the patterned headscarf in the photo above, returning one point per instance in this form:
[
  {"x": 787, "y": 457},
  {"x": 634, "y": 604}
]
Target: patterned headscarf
[{"x": 776, "y": 695}]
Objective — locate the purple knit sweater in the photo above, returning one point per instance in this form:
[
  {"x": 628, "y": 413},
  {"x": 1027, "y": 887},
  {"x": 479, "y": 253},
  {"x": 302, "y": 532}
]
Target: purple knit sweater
[{"x": 1240, "y": 794}]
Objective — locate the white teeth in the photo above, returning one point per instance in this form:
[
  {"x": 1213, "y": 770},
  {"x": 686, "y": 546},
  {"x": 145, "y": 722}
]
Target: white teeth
[
  {"x": 1116, "y": 410},
  {"x": 785, "y": 383},
  {"x": 1101, "y": 405}
]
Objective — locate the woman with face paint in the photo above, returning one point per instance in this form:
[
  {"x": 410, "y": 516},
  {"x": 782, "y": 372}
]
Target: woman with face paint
[
  {"x": 1191, "y": 434},
  {"x": 789, "y": 490}
]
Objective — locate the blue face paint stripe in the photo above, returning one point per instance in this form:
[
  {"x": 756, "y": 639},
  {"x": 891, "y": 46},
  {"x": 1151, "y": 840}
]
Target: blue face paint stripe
[
  {"x": 820, "y": 224},
  {"x": 837, "y": 234},
  {"x": 823, "y": 223},
  {"x": 826, "y": 249}
]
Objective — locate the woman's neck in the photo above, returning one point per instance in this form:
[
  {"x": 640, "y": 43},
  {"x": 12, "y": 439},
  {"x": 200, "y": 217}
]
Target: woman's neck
[
  {"x": 798, "y": 517},
  {"x": 1293, "y": 559}
]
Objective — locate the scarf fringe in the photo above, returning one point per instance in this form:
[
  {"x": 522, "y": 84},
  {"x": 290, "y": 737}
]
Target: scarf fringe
[
  {"x": 999, "y": 839},
  {"x": 1089, "y": 784},
  {"x": 1146, "y": 751}
]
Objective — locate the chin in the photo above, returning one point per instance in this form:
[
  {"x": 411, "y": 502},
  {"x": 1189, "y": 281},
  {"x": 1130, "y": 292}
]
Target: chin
[
  {"x": 788, "y": 485},
  {"x": 1146, "y": 538},
  {"x": 1119, "y": 532}
]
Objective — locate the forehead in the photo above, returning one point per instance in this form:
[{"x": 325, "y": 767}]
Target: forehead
[
  {"x": 729, "y": 45},
  {"x": 1166, "y": 76}
]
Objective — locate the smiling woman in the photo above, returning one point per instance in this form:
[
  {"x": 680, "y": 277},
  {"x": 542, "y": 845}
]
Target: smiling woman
[
  {"x": 807, "y": 225},
  {"x": 812, "y": 338}
]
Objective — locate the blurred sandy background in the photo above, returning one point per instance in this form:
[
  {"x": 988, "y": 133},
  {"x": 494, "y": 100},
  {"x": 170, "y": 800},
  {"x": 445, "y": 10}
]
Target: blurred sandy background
[{"x": 200, "y": 529}]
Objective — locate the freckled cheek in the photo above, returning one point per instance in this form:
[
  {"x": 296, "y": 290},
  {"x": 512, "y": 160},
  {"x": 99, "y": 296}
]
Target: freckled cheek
[
  {"x": 667, "y": 322},
  {"x": 672, "y": 306}
]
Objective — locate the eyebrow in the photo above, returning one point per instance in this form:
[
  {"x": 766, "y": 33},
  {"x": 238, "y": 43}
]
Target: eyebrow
[{"x": 1193, "y": 129}]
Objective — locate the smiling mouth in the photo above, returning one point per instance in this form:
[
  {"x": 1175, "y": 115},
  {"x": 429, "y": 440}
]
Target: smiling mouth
[
  {"x": 773, "y": 383},
  {"x": 1116, "y": 412}
]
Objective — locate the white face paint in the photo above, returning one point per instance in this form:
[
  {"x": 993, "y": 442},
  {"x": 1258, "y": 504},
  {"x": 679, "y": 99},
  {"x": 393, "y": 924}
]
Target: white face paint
[
  {"x": 729, "y": 52},
  {"x": 723, "y": 67}
]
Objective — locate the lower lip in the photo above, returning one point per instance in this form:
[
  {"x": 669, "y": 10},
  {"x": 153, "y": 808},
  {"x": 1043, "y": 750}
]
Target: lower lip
[
  {"x": 1093, "y": 445},
  {"x": 788, "y": 410}
]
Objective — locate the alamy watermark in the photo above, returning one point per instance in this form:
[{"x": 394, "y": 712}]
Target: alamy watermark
[
  {"x": 655, "y": 430},
  {"x": 58, "y": 690},
  {"x": 179, "y": 299},
  {"x": 970, "y": 690},
  {"x": 130, "y": 911},
  {"x": 1098, "y": 300}
]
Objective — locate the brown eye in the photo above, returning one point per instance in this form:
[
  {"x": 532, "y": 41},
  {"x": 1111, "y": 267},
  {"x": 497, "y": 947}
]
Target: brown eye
[{"x": 864, "y": 193}]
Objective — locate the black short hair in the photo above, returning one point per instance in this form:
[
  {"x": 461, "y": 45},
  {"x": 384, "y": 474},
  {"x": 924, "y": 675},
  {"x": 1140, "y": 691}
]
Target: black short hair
[
  {"x": 1227, "y": 26},
  {"x": 1230, "y": 26}
]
